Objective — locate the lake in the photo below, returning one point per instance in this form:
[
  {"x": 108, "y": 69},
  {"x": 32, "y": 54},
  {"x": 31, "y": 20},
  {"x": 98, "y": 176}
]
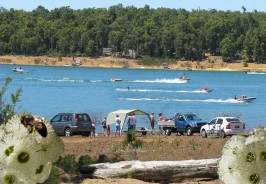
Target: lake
[{"x": 49, "y": 90}]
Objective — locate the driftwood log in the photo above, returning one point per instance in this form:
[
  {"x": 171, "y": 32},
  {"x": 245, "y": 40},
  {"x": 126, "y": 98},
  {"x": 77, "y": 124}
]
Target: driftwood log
[{"x": 171, "y": 171}]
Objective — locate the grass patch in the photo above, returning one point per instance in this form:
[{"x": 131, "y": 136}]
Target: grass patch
[
  {"x": 131, "y": 141},
  {"x": 37, "y": 61},
  {"x": 152, "y": 61}
]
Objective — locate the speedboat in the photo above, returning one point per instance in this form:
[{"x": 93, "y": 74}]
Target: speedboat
[
  {"x": 116, "y": 80},
  {"x": 18, "y": 70},
  {"x": 184, "y": 78},
  {"x": 245, "y": 98},
  {"x": 206, "y": 89}
]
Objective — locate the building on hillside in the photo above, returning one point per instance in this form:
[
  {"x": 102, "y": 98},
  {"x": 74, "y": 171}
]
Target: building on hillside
[
  {"x": 107, "y": 51},
  {"x": 131, "y": 54}
]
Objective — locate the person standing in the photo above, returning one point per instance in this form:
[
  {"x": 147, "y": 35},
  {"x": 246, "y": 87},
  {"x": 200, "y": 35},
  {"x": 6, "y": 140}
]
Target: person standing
[
  {"x": 93, "y": 129},
  {"x": 129, "y": 126},
  {"x": 160, "y": 116},
  {"x": 152, "y": 121},
  {"x": 108, "y": 128},
  {"x": 117, "y": 125},
  {"x": 134, "y": 121},
  {"x": 104, "y": 126}
]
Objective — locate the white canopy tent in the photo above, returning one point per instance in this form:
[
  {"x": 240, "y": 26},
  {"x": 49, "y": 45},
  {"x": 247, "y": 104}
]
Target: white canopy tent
[{"x": 123, "y": 114}]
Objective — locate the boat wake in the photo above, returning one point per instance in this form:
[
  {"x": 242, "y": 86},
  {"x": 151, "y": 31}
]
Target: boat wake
[
  {"x": 66, "y": 80},
  {"x": 256, "y": 73},
  {"x": 158, "y": 90},
  {"x": 169, "y": 81},
  {"x": 182, "y": 100},
  {"x": 56, "y": 80}
]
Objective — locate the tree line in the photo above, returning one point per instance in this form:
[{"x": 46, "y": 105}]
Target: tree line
[{"x": 161, "y": 32}]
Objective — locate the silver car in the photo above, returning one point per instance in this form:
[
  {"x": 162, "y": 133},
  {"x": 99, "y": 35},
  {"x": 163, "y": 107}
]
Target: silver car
[
  {"x": 68, "y": 124},
  {"x": 222, "y": 127}
]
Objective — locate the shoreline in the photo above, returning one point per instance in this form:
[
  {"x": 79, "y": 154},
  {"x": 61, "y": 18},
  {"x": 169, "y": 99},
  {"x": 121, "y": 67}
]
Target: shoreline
[{"x": 210, "y": 64}]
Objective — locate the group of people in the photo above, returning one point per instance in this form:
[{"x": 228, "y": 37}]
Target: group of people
[
  {"x": 131, "y": 123},
  {"x": 107, "y": 128},
  {"x": 153, "y": 119}
]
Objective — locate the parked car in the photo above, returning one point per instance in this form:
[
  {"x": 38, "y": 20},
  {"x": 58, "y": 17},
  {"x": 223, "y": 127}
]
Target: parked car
[
  {"x": 68, "y": 124},
  {"x": 187, "y": 123},
  {"x": 222, "y": 127}
]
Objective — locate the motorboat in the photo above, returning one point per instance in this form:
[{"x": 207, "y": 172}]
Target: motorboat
[
  {"x": 184, "y": 78},
  {"x": 18, "y": 70},
  {"x": 245, "y": 98},
  {"x": 116, "y": 80},
  {"x": 255, "y": 72},
  {"x": 206, "y": 89}
]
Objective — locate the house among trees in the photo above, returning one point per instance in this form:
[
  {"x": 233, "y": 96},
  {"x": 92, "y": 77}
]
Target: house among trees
[
  {"x": 131, "y": 54},
  {"x": 107, "y": 51}
]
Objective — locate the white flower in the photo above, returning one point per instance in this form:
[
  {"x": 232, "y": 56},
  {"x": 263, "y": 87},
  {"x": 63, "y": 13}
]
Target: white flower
[
  {"x": 7, "y": 145},
  {"x": 51, "y": 151},
  {"x": 25, "y": 159},
  {"x": 27, "y": 152},
  {"x": 2, "y": 131},
  {"x": 42, "y": 173},
  {"x": 11, "y": 177},
  {"x": 227, "y": 166},
  {"x": 14, "y": 126},
  {"x": 244, "y": 159}
]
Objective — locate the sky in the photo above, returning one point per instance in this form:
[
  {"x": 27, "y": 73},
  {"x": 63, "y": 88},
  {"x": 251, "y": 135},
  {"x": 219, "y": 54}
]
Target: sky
[{"x": 224, "y": 5}]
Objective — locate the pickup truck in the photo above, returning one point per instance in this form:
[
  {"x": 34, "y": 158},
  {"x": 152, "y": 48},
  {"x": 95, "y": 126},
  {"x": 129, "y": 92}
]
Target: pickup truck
[{"x": 187, "y": 123}]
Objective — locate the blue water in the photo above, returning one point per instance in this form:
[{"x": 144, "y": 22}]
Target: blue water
[{"x": 49, "y": 90}]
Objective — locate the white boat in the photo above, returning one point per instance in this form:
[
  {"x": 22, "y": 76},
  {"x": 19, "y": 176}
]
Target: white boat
[
  {"x": 245, "y": 98},
  {"x": 206, "y": 89},
  {"x": 255, "y": 72},
  {"x": 18, "y": 70},
  {"x": 184, "y": 78},
  {"x": 116, "y": 80}
]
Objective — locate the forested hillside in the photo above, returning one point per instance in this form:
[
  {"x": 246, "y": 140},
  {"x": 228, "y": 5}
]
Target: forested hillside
[{"x": 162, "y": 32}]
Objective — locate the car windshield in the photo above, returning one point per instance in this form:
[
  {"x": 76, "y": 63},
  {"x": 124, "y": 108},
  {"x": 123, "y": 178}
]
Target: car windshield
[
  {"x": 191, "y": 117},
  {"x": 232, "y": 120}
]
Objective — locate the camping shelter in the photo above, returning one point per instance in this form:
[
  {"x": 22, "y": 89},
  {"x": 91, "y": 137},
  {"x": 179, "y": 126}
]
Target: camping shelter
[{"x": 123, "y": 114}]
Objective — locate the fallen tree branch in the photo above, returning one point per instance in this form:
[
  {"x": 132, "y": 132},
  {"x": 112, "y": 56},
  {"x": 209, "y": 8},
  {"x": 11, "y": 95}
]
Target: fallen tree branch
[{"x": 153, "y": 170}]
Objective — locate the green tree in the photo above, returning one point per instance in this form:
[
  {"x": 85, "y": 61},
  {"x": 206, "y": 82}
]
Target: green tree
[{"x": 8, "y": 110}]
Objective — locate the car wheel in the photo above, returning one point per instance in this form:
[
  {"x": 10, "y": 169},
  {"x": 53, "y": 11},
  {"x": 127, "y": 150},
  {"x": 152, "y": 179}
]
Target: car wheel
[
  {"x": 222, "y": 134},
  {"x": 87, "y": 134},
  {"x": 189, "y": 131},
  {"x": 203, "y": 134},
  {"x": 67, "y": 132},
  {"x": 167, "y": 132},
  {"x": 144, "y": 133}
]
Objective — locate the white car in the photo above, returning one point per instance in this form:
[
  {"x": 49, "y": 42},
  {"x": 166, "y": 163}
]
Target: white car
[{"x": 222, "y": 126}]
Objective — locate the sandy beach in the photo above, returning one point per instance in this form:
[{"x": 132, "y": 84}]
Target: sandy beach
[{"x": 211, "y": 63}]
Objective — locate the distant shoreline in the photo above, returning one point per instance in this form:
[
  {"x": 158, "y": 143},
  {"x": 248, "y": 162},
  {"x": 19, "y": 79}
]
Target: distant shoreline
[{"x": 213, "y": 64}]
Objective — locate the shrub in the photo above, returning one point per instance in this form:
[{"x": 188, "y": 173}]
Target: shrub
[
  {"x": 54, "y": 176},
  {"x": 131, "y": 140},
  {"x": 102, "y": 158},
  {"x": 8, "y": 110},
  {"x": 130, "y": 136},
  {"x": 60, "y": 58},
  {"x": 85, "y": 160},
  {"x": 69, "y": 164},
  {"x": 37, "y": 61}
]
